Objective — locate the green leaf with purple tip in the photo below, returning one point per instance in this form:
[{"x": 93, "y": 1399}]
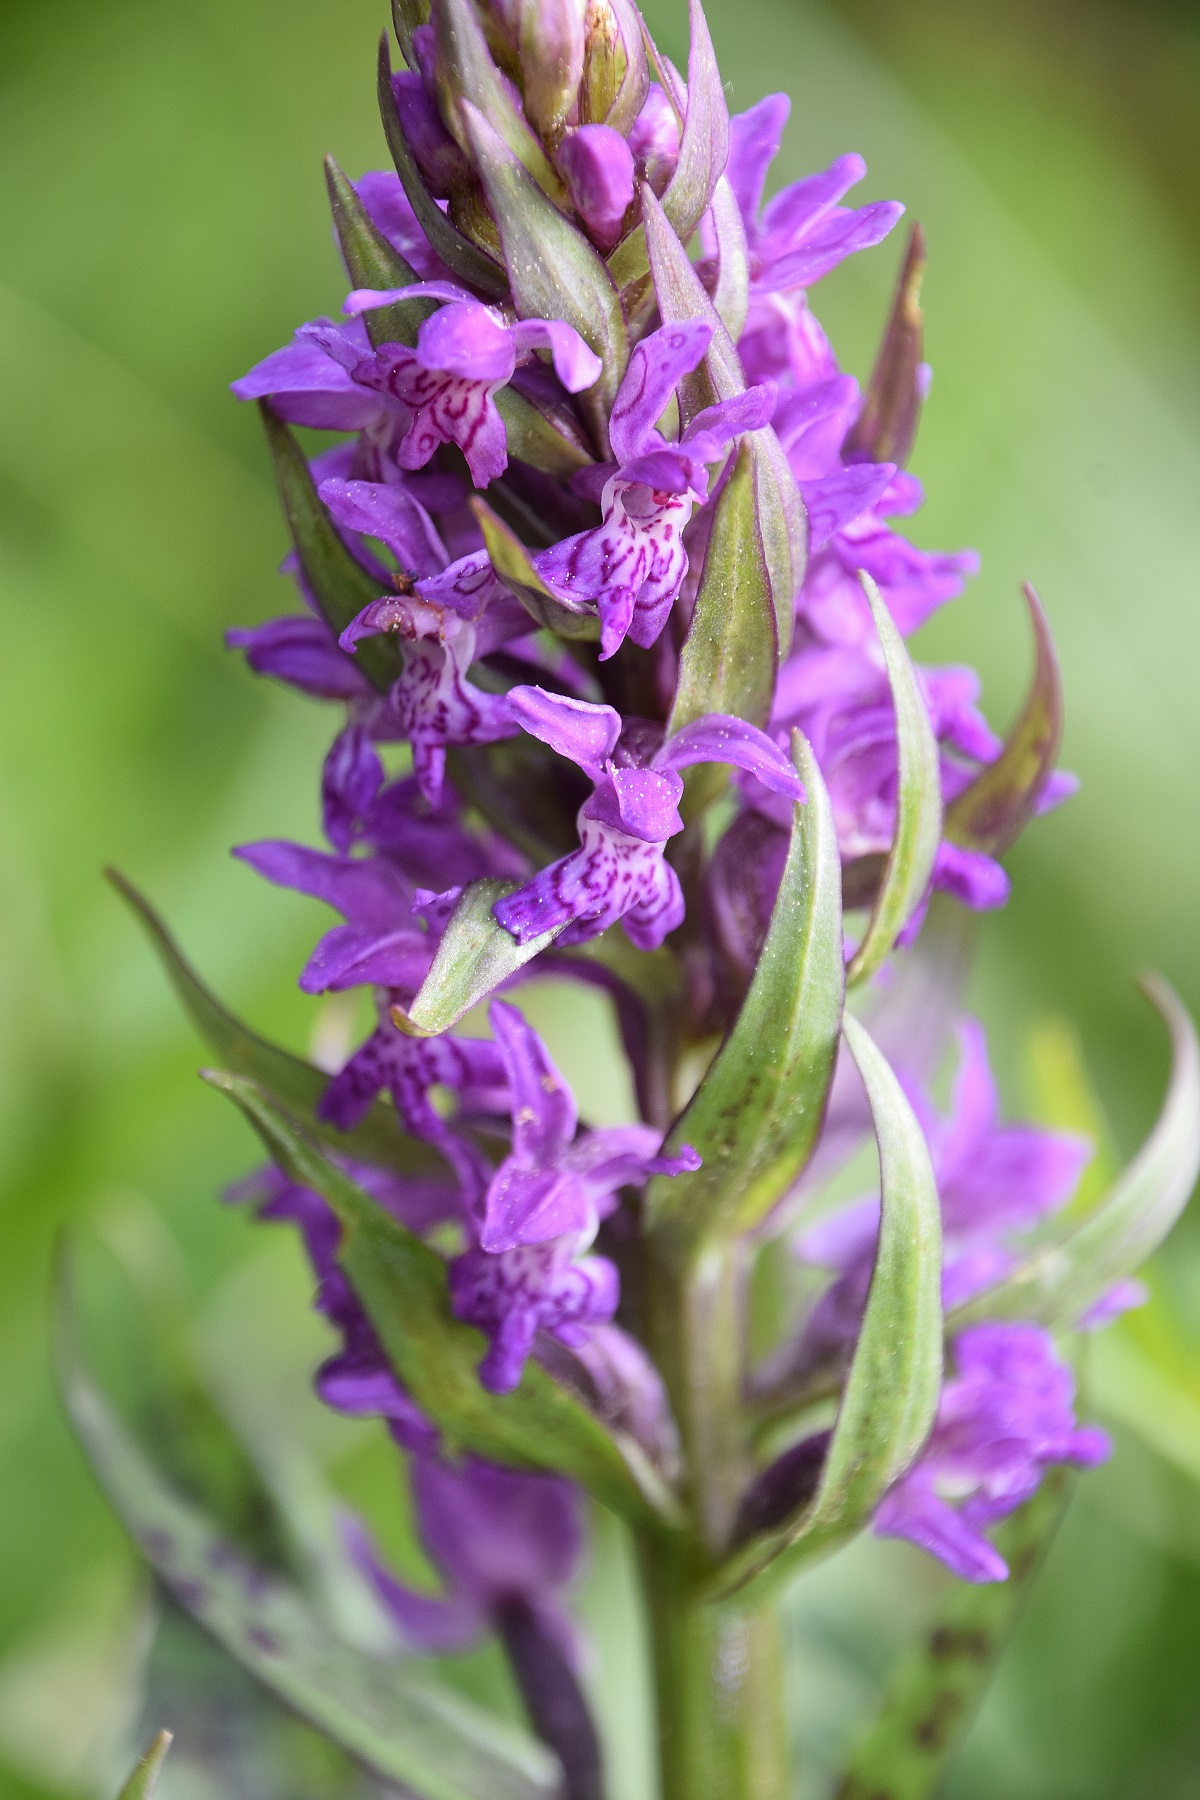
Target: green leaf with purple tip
[
  {"x": 460, "y": 255},
  {"x": 991, "y": 814},
  {"x": 400, "y": 1724},
  {"x": 402, "y": 1285},
  {"x": 918, "y": 829},
  {"x": 756, "y": 1114},
  {"x": 340, "y": 586},
  {"x": 1072, "y": 1261},
  {"x": 891, "y": 1394},
  {"x": 891, "y": 411},
  {"x": 295, "y": 1083}
]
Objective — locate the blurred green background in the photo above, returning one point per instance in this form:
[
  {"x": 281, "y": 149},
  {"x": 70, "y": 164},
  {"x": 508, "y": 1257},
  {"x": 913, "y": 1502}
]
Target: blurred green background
[{"x": 162, "y": 226}]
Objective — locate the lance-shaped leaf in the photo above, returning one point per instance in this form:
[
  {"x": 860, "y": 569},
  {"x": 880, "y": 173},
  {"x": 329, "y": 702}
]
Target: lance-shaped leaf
[
  {"x": 935, "y": 1692},
  {"x": 467, "y": 76},
  {"x": 144, "y": 1780},
  {"x": 408, "y": 16},
  {"x": 731, "y": 296},
  {"x": 534, "y": 436},
  {"x": 730, "y": 655},
  {"x": 991, "y": 813},
  {"x": 1073, "y": 1261},
  {"x": 294, "y": 1082},
  {"x": 918, "y": 800},
  {"x": 886, "y": 426},
  {"x": 756, "y": 1114},
  {"x": 464, "y": 258},
  {"x": 399, "y": 1724},
  {"x": 340, "y": 586},
  {"x": 891, "y": 1393},
  {"x": 513, "y": 564},
  {"x": 780, "y": 511},
  {"x": 371, "y": 262},
  {"x": 703, "y": 153},
  {"x": 401, "y": 1283},
  {"x": 475, "y": 957},
  {"x": 554, "y": 271}
]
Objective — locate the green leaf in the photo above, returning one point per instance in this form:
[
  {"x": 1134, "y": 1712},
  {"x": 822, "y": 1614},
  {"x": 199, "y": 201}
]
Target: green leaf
[
  {"x": 991, "y": 814},
  {"x": 401, "y": 1725},
  {"x": 934, "y": 1693},
  {"x": 729, "y": 657},
  {"x": 401, "y": 1283},
  {"x": 534, "y": 437},
  {"x": 464, "y": 258},
  {"x": 891, "y": 1393},
  {"x": 408, "y": 16},
  {"x": 703, "y": 153},
  {"x": 295, "y": 1083},
  {"x": 467, "y": 76},
  {"x": 731, "y": 296},
  {"x": 340, "y": 586},
  {"x": 144, "y": 1780},
  {"x": 918, "y": 805},
  {"x": 475, "y": 955},
  {"x": 1073, "y": 1261},
  {"x": 554, "y": 271},
  {"x": 756, "y": 1114},
  {"x": 373, "y": 263},
  {"x": 514, "y": 565},
  {"x": 886, "y": 426},
  {"x": 781, "y": 520}
]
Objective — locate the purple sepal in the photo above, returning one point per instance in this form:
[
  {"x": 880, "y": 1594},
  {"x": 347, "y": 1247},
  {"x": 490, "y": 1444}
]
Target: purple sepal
[
  {"x": 308, "y": 385},
  {"x": 597, "y": 164},
  {"x": 303, "y": 652}
]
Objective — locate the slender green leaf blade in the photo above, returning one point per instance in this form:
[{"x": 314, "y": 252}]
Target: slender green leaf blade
[
  {"x": 399, "y": 1724},
  {"x": 464, "y": 258},
  {"x": 373, "y": 263},
  {"x": 401, "y": 1283},
  {"x": 475, "y": 956},
  {"x": 340, "y": 586},
  {"x": 755, "y": 1116},
  {"x": 991, "y": 814},
  {"x": 554, "y": 271},
  {"x": 918, "y": 803},
  {"x": 730, "y": 654},
  {"x": 144, "y": 1780},
  {"x": 934, "y": 1694},
  {"x": 514, "y": 565},
  {"x": 295, "y": 1083},
  {"x": 1074, "y": 1260},
  {"x": 891, "y": 1393}
]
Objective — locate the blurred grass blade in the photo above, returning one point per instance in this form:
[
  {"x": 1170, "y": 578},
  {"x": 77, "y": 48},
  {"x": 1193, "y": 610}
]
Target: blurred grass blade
[
  {"x": 756, "y": 1114},
  {"x": 295, "y": 1083},
  {"x": 1073, "y": 1261},
  {"x": 144, "y": 1780},
  {"x": 933, "y": 1695},
  {"x": 703, "y": 153},
  {"x": 513, "y": 564},
  {"x": 462, "y": 257},
  {"x": 466, "y": 75},
  {"x": 887, "y": 425},
  {"x": 401, "y": 1283},
  {"x": 340, "y": 586},
  {"x": 475, "y": 956},
  {"x": 891, "y": 1393},
  {"x": 991, "y": 814},
  {"x": 371, "y": 262},
  {"x": 400, "y": 1725},
  {"x": 553, "y": 269},
  {"x": 729, "y": 657},
  {"x": 918, "y": 800}
]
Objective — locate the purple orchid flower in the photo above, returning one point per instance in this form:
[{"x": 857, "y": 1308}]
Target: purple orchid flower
[
  {"x": 631, "y": 567},
  {"x": 498, "y": 1537},
  {"x": 541, "y": 1211},
  {"x": 446, "y": 385},
  {"x": 619, "y": 870},
  {"x": 1005, "y": 1419},
  {"x": 597, "y": 163}
]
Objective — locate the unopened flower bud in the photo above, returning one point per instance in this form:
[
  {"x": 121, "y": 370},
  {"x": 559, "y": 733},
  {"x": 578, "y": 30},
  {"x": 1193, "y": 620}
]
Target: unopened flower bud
[{"x": 615, "y": 74}]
